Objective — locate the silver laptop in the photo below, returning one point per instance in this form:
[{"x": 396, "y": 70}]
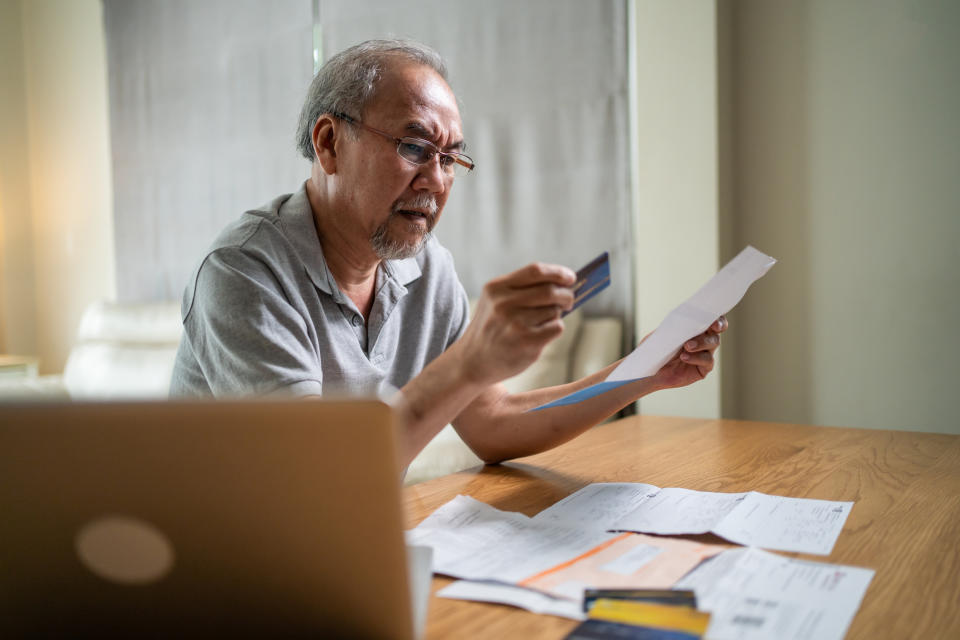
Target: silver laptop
[{"x": 245, "y": 517}]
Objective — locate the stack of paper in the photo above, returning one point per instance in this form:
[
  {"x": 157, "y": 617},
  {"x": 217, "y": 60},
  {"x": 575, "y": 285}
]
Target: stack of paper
[
  {"x": 473, "y": 540},
  {"x": 545, "y": 563}
]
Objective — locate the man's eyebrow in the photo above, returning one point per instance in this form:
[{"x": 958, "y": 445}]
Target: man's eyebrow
[{"x": 421, "y": 131}]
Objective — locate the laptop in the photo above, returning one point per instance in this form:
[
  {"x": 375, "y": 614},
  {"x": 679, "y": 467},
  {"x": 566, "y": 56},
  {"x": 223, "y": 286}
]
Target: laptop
[{"x": 279, "y": 518}]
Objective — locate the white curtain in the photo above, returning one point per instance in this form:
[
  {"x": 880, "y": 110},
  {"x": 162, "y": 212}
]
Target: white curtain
[
  {"x": 543, "y": 92},
  {"x": 204, "y": 97}
]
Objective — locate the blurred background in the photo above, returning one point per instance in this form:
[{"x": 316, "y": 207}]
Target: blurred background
[{"x": 673, "y": 134}]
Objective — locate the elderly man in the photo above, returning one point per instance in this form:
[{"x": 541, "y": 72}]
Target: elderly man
[{"x": 340, "y": 288}]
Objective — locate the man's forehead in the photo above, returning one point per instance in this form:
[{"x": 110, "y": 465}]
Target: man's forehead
[{"x": 418, "y": 99}]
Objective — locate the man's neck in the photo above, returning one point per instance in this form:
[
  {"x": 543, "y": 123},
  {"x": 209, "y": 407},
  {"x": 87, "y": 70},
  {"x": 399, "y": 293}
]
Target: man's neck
[{"x": 350, "y": 259}]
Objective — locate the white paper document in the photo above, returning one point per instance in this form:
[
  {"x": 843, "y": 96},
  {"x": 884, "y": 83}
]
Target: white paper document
[
  {"x": 543, "y": 564},
  {"x": 694, "y": 316},
  {"x": 475, "y": 541},
  {"x": 718, "y": 296},
  {"x": 755, "y": 519},
  {"x": 755, "y": 595},
  {"x": 522, "y": 597}
]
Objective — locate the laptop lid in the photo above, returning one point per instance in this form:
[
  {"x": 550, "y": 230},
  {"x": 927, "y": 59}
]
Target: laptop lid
[{"x": 249, "y": 517}]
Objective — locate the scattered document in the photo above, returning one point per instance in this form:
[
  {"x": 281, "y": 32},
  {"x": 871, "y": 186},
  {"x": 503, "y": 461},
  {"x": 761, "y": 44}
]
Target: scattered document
[
  {"x": 750, "y": 594},
  {"x": 522, "y": 597},
  {"x": 755, "y": 519},
  {"x": 475, "y": 541},
  {"x": 754, "y": 595},
  {"x": 718, "y": 296},
  {"x": 629, "y": 560},
  {"x": 545, "y": 564}
]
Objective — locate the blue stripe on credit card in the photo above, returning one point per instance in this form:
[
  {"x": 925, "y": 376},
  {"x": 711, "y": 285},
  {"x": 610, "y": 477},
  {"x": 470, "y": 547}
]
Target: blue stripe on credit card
[{"x": 591, "y": 280}]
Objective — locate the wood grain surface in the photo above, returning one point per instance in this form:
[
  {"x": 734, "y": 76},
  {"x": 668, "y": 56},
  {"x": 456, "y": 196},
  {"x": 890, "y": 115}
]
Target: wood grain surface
[{"x": 905, "y": 523}]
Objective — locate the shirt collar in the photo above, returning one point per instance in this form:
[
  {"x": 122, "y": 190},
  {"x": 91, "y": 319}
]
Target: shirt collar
[{"x": 296, "y": 216}]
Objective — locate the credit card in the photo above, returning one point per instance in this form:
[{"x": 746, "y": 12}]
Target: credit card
[
  {"x": 606, "y": 630},
  {"x": 660, "y": 596},
  {"x": 591, "y": 280},
  {"x": 648, "y": 614}
]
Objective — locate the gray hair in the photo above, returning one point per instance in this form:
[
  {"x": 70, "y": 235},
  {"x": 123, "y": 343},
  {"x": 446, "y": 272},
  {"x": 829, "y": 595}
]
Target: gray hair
[{"x": 347, "y": 81}]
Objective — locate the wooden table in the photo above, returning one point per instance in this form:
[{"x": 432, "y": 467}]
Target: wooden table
[{"x": 905, "y": 522}]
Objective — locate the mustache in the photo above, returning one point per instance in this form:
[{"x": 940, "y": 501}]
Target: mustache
[{"x": 422, "y": 202}]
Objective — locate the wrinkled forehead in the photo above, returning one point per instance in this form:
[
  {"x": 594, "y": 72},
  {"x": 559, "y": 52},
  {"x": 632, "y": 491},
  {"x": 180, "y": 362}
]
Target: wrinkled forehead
[{"x": 413, "y": 96}]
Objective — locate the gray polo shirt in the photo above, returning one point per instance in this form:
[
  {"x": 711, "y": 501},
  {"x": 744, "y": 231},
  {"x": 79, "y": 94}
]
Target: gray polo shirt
[{"x": 263, "y": 314}]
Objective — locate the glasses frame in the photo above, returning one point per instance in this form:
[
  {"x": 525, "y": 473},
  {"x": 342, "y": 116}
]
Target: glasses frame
[{"x": 460, "y": 159}]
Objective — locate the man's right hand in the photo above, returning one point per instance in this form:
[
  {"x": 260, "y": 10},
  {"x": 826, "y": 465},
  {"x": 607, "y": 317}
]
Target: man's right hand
[{"x": 517, "y": 315}]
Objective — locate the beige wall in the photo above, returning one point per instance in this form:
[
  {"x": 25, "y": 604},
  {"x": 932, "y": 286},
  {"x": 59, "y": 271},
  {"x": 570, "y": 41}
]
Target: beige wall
[
  {"x": 847, "y": 152},
  {"x": 58, "y": 238},
  {"x": 17, "y": 301},
  {"x": 677, "y": 191},
  {"x": 825, "y": 133}
]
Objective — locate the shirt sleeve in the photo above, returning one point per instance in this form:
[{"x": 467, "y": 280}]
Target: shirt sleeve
[
  {"x": 245, "y": 336},
  {"x": 453, "y": 297},
  {"x": 462, "y": 317}
]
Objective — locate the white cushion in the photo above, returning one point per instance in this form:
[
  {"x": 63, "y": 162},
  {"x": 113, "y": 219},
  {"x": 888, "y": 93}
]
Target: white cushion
[
  {"x": 598, "y": 345},
  {"x": 101, "y": 370},
  {"x": 33, "y": 389},
  {"x": 446, "y": 453},
  {"x": 152, "y": 322},
  {"x": 124, "y": 350}
]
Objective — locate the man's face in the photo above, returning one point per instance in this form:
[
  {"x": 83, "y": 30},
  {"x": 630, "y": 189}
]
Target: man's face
[{"x": 393, "y": 203}]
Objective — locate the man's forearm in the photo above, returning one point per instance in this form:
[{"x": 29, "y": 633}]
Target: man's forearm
[
  {"x": 433, "y": 399},
  {"x": 499, "y": 426}
]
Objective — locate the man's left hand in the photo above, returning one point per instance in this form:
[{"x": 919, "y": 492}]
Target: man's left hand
[{"x": 694, "y": 360}]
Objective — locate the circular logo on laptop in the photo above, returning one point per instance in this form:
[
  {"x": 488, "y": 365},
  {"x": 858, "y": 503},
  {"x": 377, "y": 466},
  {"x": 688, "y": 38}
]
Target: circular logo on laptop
[{"x": 125, "y": 550}]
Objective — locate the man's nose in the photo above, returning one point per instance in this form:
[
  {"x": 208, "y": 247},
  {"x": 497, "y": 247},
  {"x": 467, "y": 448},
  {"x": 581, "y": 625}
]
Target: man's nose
[{"x": 431, "y": 176}]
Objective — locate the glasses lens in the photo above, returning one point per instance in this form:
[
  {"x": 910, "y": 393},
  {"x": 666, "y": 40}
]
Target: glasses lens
[
  {"x": 421, "y": 152},
  {"x": 416, "y": 151}
]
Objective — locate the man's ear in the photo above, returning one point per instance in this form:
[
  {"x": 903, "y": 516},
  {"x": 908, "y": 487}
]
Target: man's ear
[{"x": 324, "y": 137}]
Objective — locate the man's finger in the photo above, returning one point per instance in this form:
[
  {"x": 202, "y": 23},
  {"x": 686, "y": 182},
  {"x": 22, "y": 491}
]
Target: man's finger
[
  {"x": 540, "y": 272},
  {"x": 540, "y": 295},
  {"x": 720, "y": 325},
  {"x": 537, "y": 317},
  {"x": 703, "y": 342},
  {"x": 702, "y": 359}
]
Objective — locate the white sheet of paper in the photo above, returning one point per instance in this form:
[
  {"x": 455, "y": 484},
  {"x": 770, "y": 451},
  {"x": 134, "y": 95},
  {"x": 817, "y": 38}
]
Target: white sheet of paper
[
  {"x": 718, "y": 296},
  {"x": 756, "y": 519},
  {"x": 674, "y": 510},
  {"x": 789, "y": 524},
  {"x": 597, "y": 505},
  {"x": 473, "y": 540},
  {"x": 754, "y": 595},
  {"x": 528, "y": 599}
]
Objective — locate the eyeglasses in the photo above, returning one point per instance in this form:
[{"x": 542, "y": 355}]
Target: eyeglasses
[{"x": 419, "y": 152}]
